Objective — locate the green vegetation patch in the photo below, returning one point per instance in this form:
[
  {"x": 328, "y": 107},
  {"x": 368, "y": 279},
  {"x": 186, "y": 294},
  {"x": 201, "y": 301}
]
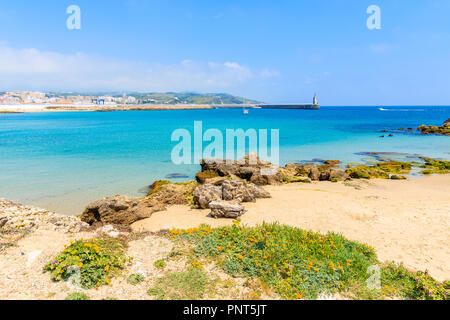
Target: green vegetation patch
[
  {"x": 366, "y": 172},
  {"x": 395, "y": 167},
  {"x": 135, "y": 278},
  {"x": 435, "y": 166},
  {"x": 445, "y": 130},
  {"x": 208, "y": 174},
  {"x": 173, "y": 193},
  {"x": 160, "y": 264},
  {"x": 185, "y": 285},
  {"x": 156, "y": 186},
  {"x": 300, "y": 264},
  {"x": 88, "y": 263},
  {"x": 380, "y": 170},
  {"x": 77, "y": 296}
]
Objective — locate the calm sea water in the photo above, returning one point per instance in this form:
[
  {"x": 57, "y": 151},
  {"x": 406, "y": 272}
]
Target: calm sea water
[{"x": 64, "y": 160}]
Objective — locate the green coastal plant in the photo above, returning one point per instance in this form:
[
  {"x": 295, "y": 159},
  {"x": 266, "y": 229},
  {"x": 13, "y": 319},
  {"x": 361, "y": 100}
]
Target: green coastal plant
[
  {"x": 435, "y": 166},
  {"x": 380, "y": 170},
  {"x": 156, "y": 186},
  {"x": 303, "y": 264},
  {"x": 88, "y": 263},
  {"x": 185, "y": 285},
  {"x": 77, "y": 296},
  {"x": 160, "y": 264},
  {"x": 135, "y": 278}
]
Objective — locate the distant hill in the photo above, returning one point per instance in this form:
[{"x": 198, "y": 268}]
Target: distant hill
[
  {"x": 189, "y": 98},
  {"x": 169, "y": 97}
]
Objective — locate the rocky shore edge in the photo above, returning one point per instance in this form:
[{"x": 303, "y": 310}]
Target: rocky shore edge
[
  {"x": 221, "y": 186},
  {"x": 442, "y": 130}
]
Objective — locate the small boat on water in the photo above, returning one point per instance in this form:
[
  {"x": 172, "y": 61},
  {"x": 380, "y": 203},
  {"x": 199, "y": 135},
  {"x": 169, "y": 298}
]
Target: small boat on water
[{"x": 245, "y": 111}]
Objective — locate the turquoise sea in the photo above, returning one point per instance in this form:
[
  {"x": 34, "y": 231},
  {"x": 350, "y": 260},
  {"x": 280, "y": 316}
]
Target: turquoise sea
[{"x": 63, "y": 160}]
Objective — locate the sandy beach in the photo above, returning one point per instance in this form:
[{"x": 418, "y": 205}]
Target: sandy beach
[{"x": 405, "y": 221}]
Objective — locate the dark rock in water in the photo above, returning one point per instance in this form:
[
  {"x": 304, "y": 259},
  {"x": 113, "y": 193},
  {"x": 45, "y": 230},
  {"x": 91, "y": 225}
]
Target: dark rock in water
[
  {"x": 444, "y": 129},
  {"x": 225, "y": 209},
  {"x": 332, "y": 162},
  {"x": 120, "y": 209},
  {"x": 176, "y": 176},
  {"x": 381, "y": 136}
]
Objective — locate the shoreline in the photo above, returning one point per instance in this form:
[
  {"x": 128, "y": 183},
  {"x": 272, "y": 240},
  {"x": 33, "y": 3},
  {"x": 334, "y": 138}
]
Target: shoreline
[
  {"x": 404, "y": 221},
  {"x": 97, "y": 108}
]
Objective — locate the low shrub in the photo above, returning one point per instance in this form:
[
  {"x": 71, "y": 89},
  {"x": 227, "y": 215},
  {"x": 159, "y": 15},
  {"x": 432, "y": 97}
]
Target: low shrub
[
  {"x": 160, "y": 264},
  {"x": 297, "y": 263},
  {"x": 135, "y": 278},
  {"x": 78, "y": 296},
  {"x": 186, "y": 285},
  {"x": 89, "y": 263},
  {"x": 292, "y": 261},
  {"x": 428, "y": 288}
]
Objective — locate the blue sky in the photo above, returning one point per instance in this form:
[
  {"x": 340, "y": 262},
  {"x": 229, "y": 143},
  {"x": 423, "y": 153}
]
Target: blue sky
[{"x": 274, "y": 51}]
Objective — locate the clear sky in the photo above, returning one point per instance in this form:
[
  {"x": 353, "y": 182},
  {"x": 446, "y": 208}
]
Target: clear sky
[{"x": 274, "y": 51}]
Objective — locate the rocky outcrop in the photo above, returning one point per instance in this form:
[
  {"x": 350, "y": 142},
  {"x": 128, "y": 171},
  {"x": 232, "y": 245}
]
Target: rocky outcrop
[
  {"x": 230, "y": 190},
  {"x": 169, "y": 193},
  {"x": 18, "y": 218},
  {"x": 205, "y": 194},
  {"x": 120, "y": 209},
  {"x": 435, "y": 166},
  {"x": 338, "y": 175},
  {"x": 311, "y": 172},
  {"x": 201, "y": 177},
  {"x": 215, "y": 181},
  {"x": 250, "y": 168},
  {"x": 444, "y": 129},
  {"x": 382, "y": 170},
  {"x": 226, "y": 209},
  {"x": 242, "y": 191}
]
